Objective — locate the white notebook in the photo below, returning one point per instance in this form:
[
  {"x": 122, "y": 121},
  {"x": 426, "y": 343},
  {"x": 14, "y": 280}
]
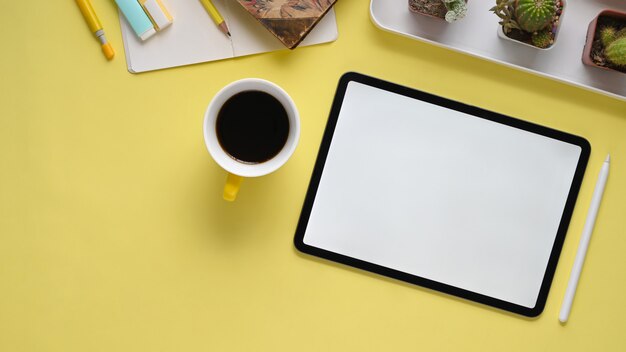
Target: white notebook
[{"x": 194, "y": 37}]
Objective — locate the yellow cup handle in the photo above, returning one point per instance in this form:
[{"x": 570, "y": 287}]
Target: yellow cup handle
[{"x": 233, "y": 182}]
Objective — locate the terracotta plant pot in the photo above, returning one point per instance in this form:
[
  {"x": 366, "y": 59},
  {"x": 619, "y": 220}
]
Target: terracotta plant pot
[
  {"x": 504, "y": 36},
  {"x": 591, "y": 34}
]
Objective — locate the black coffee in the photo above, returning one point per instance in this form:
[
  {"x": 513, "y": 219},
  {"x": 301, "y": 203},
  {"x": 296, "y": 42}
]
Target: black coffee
[{"x": 252, "y": 126}]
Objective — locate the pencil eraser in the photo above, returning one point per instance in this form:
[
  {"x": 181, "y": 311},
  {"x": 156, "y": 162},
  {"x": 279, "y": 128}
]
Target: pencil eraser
[
  {"x": 147, "y": 34},
  {"x": 161, "y": 18},
  {"x": 137, "y": 18}
]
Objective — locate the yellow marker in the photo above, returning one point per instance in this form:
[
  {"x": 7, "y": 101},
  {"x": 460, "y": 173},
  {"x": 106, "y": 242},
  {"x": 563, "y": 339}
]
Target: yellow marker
[
  {"x": 95, "y": 27},
  {"x": 215, "y": 15}
]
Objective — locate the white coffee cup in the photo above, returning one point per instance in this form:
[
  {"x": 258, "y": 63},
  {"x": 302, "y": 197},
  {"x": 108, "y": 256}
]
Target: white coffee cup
[{"x": 235, "y": 168}]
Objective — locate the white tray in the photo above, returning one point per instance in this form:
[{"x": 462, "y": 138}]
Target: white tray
[{"x": 476, "y": 35}]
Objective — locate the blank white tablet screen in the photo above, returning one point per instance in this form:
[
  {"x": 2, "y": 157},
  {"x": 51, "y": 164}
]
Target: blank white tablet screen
[{"x": 441, "y": 194}]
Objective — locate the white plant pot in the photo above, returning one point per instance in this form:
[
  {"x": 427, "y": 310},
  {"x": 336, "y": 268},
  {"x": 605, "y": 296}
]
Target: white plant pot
[{"x": 556, "y": 35}]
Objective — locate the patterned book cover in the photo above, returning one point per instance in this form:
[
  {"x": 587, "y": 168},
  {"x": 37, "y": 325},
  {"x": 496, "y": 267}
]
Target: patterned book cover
[{"x": 289, "y": 20}]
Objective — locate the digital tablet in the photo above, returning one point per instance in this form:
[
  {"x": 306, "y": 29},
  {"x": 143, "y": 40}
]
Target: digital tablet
[{"x": 441, "y": 194}]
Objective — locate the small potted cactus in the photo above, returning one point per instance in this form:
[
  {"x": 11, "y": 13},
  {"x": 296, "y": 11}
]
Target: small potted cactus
[
  {"x": 534, "y": 23},
  {"x": 606, "y": 41},
  {"x": 450, "y": 10}
]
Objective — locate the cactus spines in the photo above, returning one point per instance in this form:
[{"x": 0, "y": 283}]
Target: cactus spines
[
  {"x": 614, "y": 43},
  {"x": 534, "y": 15},
  {"x": 607, "y": 35},
  {"x": 542, "y": 39},
  {"x": 616, "y": 51}
]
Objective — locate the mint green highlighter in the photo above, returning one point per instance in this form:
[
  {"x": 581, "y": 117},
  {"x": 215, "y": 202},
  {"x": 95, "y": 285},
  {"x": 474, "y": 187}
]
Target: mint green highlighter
[{"x": 137, "y": 18}]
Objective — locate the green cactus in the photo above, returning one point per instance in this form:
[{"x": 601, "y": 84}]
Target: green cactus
[
  {"x": 616, "y": 51},
  {"x": 505, "y": 10},
  {"x": 607, "y": 35},
  {"x": 457, "y": 9},
  {"x": 542, "y": 39},
  {"x": 534, "y": 15}
]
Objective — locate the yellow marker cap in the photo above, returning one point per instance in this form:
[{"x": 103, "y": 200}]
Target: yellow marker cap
[{"x": 108, "y": 51}]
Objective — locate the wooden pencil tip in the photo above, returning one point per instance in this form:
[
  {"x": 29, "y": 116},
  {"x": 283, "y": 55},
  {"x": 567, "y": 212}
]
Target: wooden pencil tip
[{"x": 224, "y": 28}]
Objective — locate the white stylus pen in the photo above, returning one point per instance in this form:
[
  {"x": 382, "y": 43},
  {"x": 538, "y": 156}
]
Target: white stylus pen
[{"x": 584, "y": 241}]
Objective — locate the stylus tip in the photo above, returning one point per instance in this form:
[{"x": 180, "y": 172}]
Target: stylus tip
[{"x": 608, "y": 158}]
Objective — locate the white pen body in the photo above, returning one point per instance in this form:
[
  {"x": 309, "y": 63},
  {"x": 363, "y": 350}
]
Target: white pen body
[{"x": 584, "y": 241}]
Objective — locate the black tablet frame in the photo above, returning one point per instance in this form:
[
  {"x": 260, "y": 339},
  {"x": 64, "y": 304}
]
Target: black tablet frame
[{"x": 472, "y": 110}]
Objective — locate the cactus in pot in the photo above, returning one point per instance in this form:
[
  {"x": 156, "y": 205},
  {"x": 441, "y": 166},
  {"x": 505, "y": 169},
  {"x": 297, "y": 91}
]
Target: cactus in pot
[
  {"x": 532, "y": 22},
  {"x": 605, "y": 46},
  {"x": 614, "y": 43},
  {"x": 450, "y": 10}
]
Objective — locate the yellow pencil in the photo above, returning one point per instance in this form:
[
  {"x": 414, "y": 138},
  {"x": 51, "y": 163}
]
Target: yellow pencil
[
  {"x": 95, "y": 27},
  {"x": 215, "y": 15}
]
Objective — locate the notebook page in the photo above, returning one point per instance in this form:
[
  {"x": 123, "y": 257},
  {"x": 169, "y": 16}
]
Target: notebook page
[{"x": 192, "y": 38}]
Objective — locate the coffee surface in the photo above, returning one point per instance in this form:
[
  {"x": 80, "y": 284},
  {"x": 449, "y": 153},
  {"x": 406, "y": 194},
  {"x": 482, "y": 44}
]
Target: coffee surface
[{"x": 252, "y": 126}]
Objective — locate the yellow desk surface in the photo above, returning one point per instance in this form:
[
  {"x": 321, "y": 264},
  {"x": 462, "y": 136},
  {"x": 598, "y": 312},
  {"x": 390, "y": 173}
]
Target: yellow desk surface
[{"x": 114, "y": 236}]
